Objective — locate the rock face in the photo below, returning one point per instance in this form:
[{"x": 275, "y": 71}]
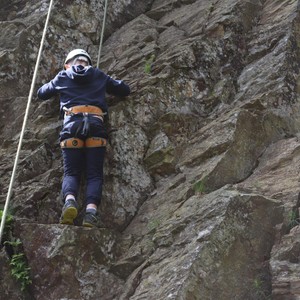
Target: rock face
[{"x": 202, "y": 172}]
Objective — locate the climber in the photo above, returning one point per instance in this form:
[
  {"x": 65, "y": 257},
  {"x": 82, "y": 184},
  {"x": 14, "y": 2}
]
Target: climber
[{"x": 83, "y": 137}]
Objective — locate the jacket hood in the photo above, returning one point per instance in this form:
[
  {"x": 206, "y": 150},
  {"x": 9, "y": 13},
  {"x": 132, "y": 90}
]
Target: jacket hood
[{"x": 80, "y": 74}]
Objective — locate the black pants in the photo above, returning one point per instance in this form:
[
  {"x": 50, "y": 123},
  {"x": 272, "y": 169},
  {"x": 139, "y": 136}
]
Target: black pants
[{"x": 83, "y": 160}]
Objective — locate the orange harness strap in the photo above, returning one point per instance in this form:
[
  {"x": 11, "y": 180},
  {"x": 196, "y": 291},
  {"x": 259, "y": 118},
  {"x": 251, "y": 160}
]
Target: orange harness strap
[
  {"x": 72, "y": 143},
  {"x": 89, "y": 109},
  {"x": 95, "y": 142},
  {"x": 91, "y": 142}
]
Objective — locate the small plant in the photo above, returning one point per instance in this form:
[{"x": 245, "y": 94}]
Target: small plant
[
  {"x": 8, "y": 220},
  {"x": 257, "y": 283},
  {"x": 153, "y": 224},
  {"x": 259, "y": 290},
  {"x": 7, "y": 232},
  {"x": 199, "y": 186},
  {"x": 211, "y": 8},
  {"x": 18, "y": 263},
  {"x": 19, "y": 268},
  {"x": 293, "y": 219},
  {"x": 148, "y": 64},
  {"x": 15, "y": 244}
]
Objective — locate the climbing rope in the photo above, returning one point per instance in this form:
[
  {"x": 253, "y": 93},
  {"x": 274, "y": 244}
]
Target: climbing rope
[
  {"x": 24, "y": 123},
  {"x": 102, "y": 33}
]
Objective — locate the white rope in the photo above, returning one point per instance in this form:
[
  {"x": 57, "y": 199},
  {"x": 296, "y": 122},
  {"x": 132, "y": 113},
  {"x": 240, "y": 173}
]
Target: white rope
[
  {"x": 24, "y": 123},
  {"x": 102, "y": 33}
]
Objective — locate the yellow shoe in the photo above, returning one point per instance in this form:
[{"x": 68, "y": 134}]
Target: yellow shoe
[{"x": 69, "y": 213}]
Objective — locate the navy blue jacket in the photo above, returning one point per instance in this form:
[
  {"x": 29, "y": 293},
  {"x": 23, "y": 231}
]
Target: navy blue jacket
[{"x": 80, "y": 85}]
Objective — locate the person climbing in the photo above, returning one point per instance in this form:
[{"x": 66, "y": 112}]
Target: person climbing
[{"x": 83, "y": 136}]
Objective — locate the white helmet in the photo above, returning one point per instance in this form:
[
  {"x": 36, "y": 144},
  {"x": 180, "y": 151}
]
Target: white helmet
[{"x": 78, "y": 52}]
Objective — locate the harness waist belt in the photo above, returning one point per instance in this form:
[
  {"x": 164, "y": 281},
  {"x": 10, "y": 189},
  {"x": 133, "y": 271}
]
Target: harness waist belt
[
  {"x": 90, "y": 109},
  {"x": 92, "y": 142}
]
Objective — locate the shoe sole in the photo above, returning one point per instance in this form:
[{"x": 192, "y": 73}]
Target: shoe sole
[
  {"x": 68, "y": 216},
  {"x": 84, "y": 224}
]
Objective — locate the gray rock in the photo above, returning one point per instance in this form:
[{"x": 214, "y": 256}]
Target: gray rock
[{"x": 201, "y": 176}]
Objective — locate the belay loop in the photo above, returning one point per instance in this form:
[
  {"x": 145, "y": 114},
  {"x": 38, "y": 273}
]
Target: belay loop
[{"x": 84, "y": 127}]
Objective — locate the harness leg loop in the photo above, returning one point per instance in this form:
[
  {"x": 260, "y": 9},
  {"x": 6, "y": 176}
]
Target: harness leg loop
[
  {"x": 72, "y": 143},
  {"x": 94, "y": 142}
]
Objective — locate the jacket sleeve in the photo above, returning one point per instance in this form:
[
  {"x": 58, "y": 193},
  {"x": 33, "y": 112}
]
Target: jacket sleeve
[
  {"x": 47, "y": 91},
  {"x": 117, "y": 87}
]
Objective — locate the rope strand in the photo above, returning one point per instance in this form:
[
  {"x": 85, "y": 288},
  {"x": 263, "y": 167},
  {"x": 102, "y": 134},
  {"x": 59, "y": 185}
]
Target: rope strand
[
  {"x": 24, "y": 123},
  {"x": 102, "y": 33}
]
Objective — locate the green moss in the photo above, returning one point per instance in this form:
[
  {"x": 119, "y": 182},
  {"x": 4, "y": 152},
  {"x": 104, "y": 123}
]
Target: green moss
[
  {"x": 199, "y": 186},
  {"x": 293, "y": 219},
  {"x": 149, "y": 63}
]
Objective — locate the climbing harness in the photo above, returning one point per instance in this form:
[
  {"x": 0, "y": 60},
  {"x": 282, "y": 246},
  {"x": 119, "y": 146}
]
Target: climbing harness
[
  {"x": 9, "y": 192},
  {"x": 86, "y": 111},
  {"x": 102, "y": 33}
]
